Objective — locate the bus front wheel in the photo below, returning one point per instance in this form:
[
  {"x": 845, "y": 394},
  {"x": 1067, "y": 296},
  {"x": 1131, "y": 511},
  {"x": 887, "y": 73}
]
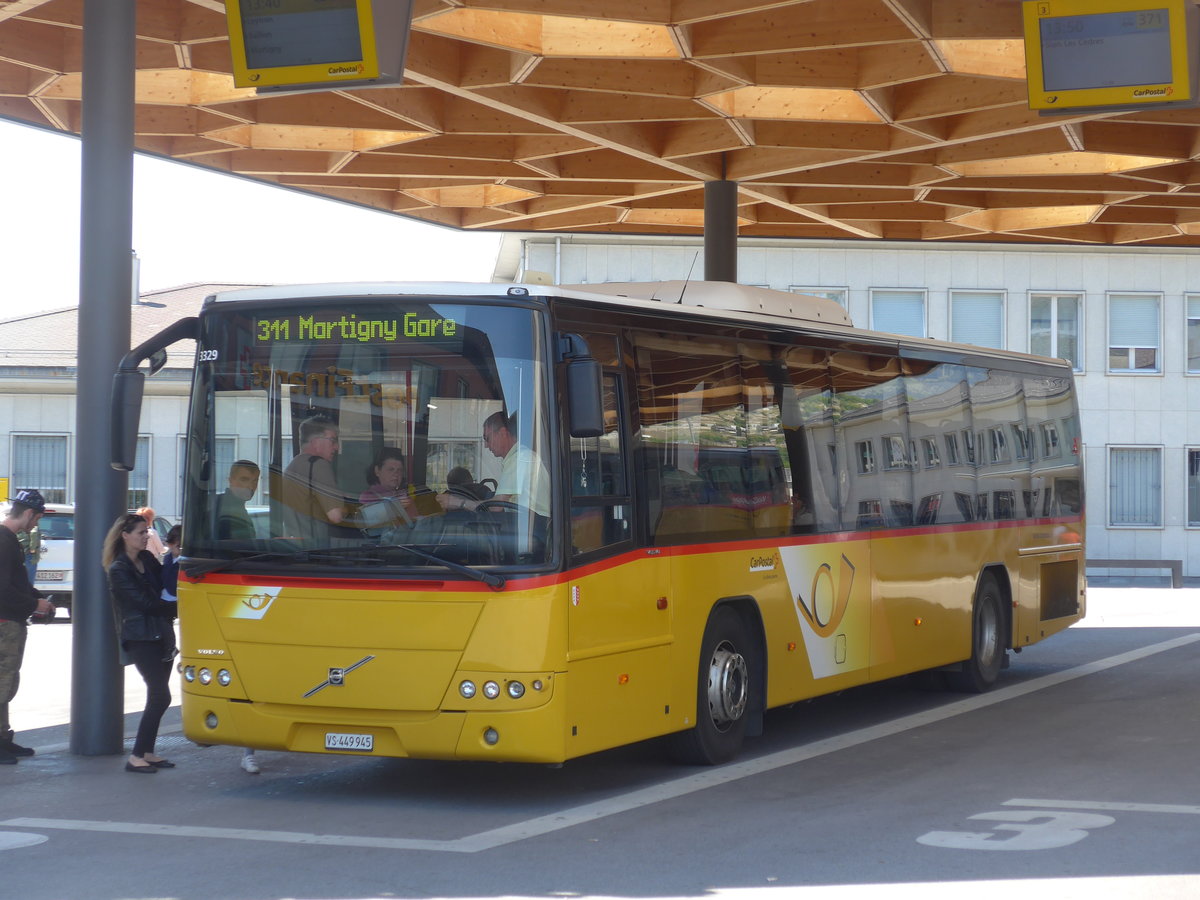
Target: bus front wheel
[
  {"x": 722, "y": 694},
  {"x": 980, "y": 672}
]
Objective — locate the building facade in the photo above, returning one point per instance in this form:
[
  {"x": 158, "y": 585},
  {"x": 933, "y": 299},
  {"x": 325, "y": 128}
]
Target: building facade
[
  {"x": 38, "y": 402},
  {"x": 1128, "y": 319}
]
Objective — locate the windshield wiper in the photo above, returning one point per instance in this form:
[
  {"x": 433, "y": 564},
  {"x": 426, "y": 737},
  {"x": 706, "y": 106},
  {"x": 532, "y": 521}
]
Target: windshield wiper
[
  {"x": 205, "y": 566},
  {"x": 492, "y": 580}
]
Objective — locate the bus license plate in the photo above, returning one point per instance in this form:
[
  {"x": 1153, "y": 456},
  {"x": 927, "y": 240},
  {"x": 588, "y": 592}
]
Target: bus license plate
[
  {"x": 336, "y": 741},
  {"x": 50, "y": 575}
]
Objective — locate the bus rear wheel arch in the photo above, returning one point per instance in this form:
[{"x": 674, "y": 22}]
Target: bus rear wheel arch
[{"x": 729, "y": 691}]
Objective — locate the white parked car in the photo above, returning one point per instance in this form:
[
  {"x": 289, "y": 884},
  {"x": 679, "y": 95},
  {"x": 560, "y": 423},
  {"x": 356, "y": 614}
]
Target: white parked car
[{"x": 56, "y": 566}]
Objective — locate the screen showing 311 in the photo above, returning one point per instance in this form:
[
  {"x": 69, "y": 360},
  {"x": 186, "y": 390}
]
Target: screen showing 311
[{"x": 349, "y": 327}]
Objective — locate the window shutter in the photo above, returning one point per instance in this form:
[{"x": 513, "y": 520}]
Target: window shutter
[
  {"x": 977, "y": 319},
  {"x": 1132, "y": 321},
  {"x": 40, "y": 462},
  {"x": 1135, "y": 487},
  {"x": 898, "y": 312}
]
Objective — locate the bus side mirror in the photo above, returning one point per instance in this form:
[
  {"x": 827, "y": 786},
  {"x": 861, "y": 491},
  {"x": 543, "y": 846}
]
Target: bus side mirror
[
  {"x": 129, "y": 383},
  {"x": 585, "y": 408},
  {"x": 126, "y": 411}
]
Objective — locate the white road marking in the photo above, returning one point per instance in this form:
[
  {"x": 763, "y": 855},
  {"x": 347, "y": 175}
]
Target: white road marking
[
  {"x": 1105, "y": 806},
  {"x": 14, "y": 840},
  {"x": 679, "y": 787}
]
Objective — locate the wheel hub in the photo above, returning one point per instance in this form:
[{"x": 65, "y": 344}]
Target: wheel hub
[{"x": 728, "y": 679}]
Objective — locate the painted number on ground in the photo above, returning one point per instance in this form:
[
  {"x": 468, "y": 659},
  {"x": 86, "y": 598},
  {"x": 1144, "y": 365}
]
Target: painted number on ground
[{"x": 1020, "y": 829}]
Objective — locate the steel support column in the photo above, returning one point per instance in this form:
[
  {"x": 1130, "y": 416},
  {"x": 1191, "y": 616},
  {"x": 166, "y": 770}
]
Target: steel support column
[
  {"x": 720, "y": 231},
  {"x": 105, "y": 275}
]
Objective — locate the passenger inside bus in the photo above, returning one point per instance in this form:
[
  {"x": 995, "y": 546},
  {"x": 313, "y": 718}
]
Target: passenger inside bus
[
  {"x": 386, "y": 503},
  {"x": 313, "y": 505},
  {"x": 233, "y": 522}
]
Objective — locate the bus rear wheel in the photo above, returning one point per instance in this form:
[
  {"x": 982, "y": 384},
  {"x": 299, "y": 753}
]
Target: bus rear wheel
[
  {"x": 722, "y": 693},
  {"x": 981, "y": 671}
]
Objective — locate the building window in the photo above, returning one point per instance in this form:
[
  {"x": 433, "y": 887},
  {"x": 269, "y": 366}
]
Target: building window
[
  {"x": 39, "y": 461},
  {"x": 951, "y": 449},
  {"x": 1054, "y": 327},
  {"x": 1049, "y": 440},
  {"x": 864, "y": 451},
  {"x": 1193, "y": 333},
  {"x": 1134, "y": 486},
  {"x": 837, "y": 295},
  {"x": 137, "y": 494},
  {"x": 898, "y": 312},
  {"x": 893, "y": 449},
  {"x": 998, "y": 445},
  {"x": 1021, "y": 441},
  {"x": 870, "y": 514},
  {"x": 969, "y": 446},
  {"x": 1193, "y": 488},
  {"x": 977, "y": 317},
  {"x": 930, "y": 453},
  {"x": 1133, "y": 333}
]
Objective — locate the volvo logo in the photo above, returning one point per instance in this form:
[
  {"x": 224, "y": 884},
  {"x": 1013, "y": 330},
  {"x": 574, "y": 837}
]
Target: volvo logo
[{"x": 337, "y": 675}]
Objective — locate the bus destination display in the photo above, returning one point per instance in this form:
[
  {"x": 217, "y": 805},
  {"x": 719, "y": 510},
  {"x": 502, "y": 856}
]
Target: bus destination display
[
  {"x": 1123, "y": 49},
  {"x": 301, "y": 32},
  {"x": 349, "y": 327}
]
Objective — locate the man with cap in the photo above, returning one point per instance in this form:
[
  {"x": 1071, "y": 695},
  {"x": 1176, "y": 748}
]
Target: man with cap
[{"x": 18, "y": 601}]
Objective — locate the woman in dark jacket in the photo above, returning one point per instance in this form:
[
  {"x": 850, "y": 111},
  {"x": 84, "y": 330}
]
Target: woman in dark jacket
[{"x": 144, "y": 628}]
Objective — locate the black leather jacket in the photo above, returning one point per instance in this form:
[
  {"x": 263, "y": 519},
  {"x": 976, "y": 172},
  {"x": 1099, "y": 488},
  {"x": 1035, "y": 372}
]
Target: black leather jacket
[{"x": 142, "y": 614}]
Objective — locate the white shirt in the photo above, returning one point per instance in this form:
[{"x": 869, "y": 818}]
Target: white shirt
[{"x": 524, "y": 477}]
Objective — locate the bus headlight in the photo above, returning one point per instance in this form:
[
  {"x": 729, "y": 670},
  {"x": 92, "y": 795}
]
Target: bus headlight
[
  {"x": 223, "y": 678},
  {"x": 491, "y": 690},
  {"x": 206, "y": 676},
  {"x": 189, "y": 673},
  {"x": 516, "y": 690},
  {"x": 467, "y": 689}
]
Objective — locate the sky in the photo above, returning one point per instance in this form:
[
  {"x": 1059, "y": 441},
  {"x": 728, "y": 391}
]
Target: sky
[{"x": 191, "y": 225}]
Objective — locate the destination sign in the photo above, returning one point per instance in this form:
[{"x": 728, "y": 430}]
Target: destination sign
[
  {"x": 301, "y": 32},
  {"x": 341, "y": 328}
]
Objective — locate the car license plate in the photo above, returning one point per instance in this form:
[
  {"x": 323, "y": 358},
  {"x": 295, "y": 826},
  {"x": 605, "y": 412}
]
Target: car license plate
[
  {"x": 337, "y": 741},
  {"x": 50, "y": 575}
]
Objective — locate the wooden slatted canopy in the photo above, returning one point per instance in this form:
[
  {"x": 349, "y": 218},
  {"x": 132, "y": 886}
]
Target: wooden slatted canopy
[{"x": 897, "y": 119}]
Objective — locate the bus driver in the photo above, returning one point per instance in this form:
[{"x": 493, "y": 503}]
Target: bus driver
[{"x": 523, "y": 478}]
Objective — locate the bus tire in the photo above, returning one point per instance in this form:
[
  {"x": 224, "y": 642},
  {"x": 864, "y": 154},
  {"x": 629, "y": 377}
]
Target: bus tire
[
  {"x": 980, "y": 672},
  {"x": 723, "y": 693}
]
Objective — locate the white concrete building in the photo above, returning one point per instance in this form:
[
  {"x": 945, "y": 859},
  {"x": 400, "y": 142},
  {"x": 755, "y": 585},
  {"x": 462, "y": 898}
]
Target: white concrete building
[{"x": 1127, "y": 317}]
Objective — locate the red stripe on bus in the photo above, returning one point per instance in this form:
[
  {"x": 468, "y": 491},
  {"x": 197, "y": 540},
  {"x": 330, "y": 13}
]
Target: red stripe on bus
[{"x": 557, "y": 578}]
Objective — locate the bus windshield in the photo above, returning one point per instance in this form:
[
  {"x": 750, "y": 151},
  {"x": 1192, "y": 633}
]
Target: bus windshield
[{"x": 369, "y": 433}]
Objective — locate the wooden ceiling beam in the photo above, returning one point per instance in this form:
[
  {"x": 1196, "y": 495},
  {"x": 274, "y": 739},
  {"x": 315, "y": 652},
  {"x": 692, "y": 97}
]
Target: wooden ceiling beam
[
  {"x": 801, "y": 26},
  {"x": 648, "y": 78},
  {"x": 378, "y": 165},
  {"x": 971, "y": 19},
  {"x": 585, "y": 108},
  {"x": 36, "y": 45},
  {"x": 864, "y": 138},
  {"x": 769, "y": 164},
  {"x": 954, "y": 95},
  {"x": 645, "y": 11},
  {"x": 1139, "y": 140}
]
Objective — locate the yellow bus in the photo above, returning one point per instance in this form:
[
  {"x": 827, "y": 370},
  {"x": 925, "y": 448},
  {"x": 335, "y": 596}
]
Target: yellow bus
[{"x": 622, "y": 512}]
